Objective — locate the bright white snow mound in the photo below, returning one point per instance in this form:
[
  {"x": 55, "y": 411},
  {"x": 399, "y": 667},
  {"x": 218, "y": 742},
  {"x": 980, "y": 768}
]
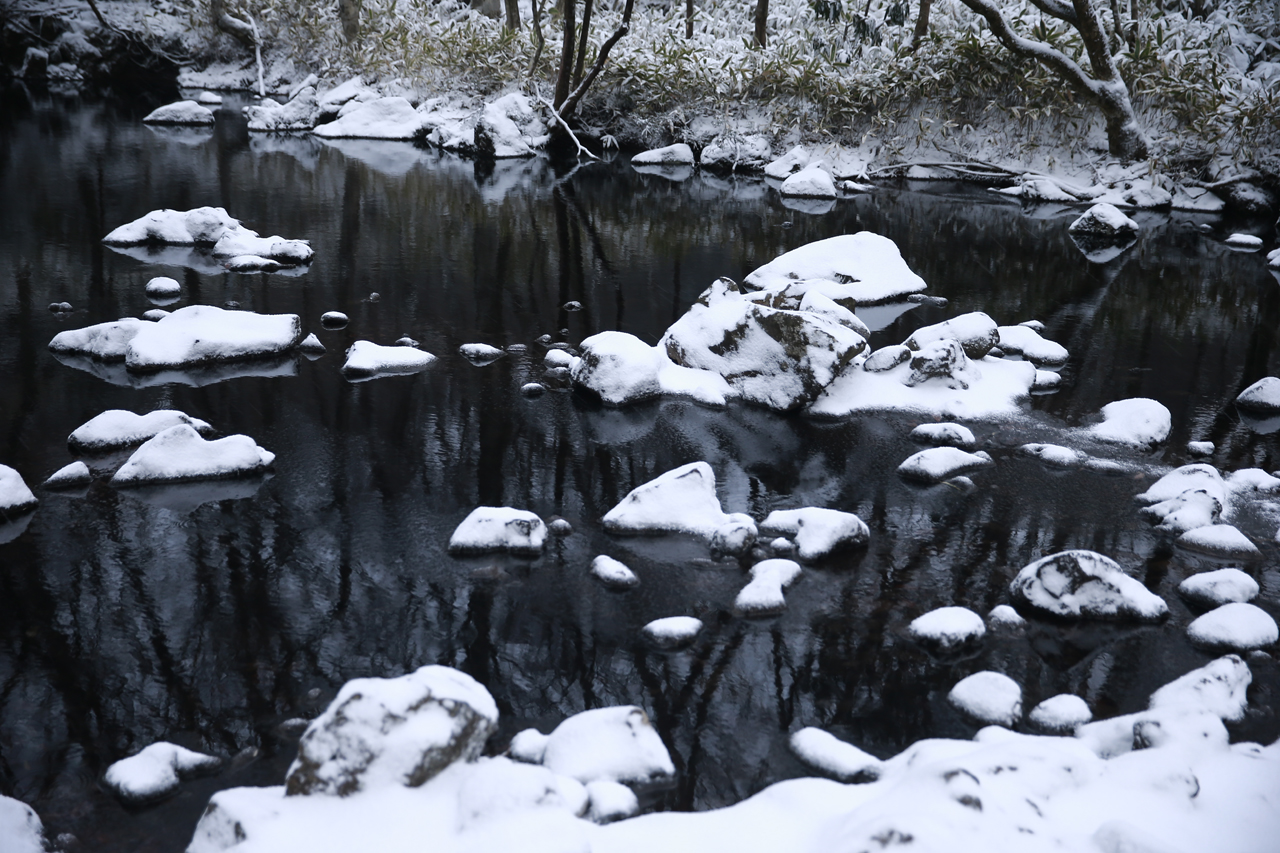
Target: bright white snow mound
[
  {"x": 20, "y": 827},
  {"x": 1004, "y": 618},
  {"x": 73, "y": 476},
  {"x": 816, "y": 531},
  {"x": 673, "y": 155},
  {"x": 736, "y": 153},
  {"x": 682, "y": 500},
  {"x": 163, "y": 288},
  {"x": 155, "y": 772},
  {"x": 180, "y": 454},
  {"x": 1060, "y": 714},
  {"x": 15, "y": 497},
  {"x": 975, "y": 332},
  {"x": 672, "y": 631},
  {"x": 866, "y": 267},
  {"x": 1027, "y": 342},
  {"x": 945, "y": 435},
  {"x": 366, "y": 360},
  {"x": 207, "y": 226},
  {"x": 1085, "y": 585},
  {"x": 1197, "y": 476},
  {"x": 842, "y": 761},
  {"x": 940, "y": 463},
  {"x": 391, "y": 732},
  {"x": 118, "y": 428},
  {"x": 1223, "y": 586},
  {"x": 947, "y": 628},
  {"x": 786, "y": 165},
  {"x": 103, "y": 341},
  {"x": 620, "y": 368},
  {"x": 1104, "y": 220},
  {"x": 1053, "y": 455},
  {"x": 205, "y": 334},
  {"x": 813, "y": 181},
  {"x": 613, "y": 573},
  {"x": 1237, "y": 626},
  {"x": 510, "y": 127},
  {"x": 499, "y": 528},
  {"x": 1137, "y": 422},
  {"x": 616, "y": 744},
  {"x": 181, "y": 112},
  {"x": 1261, "y": 396},
  {"x": 1219, "y": 540},
  {"x": 763, "y": 596},
  {"x": 385, "y": 118},
  {"x": 988, "y": 697},
  {"x": 300, "y": 113}
]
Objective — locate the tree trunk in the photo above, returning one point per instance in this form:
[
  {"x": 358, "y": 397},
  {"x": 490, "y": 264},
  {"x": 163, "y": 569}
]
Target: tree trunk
[
  {"x": 582, "y": 42},
  {"x": 762, "y": 18},
  {"x": 349, "y": 16},
  {"x": 537, "y": 36},
  {"x": 922, "y": 24},
  {"x": 688, "y": 18},
  {"x": 513, "y": 14},
  {"x": 565, "y": 75},
  {"x": 234, "y": 27}
]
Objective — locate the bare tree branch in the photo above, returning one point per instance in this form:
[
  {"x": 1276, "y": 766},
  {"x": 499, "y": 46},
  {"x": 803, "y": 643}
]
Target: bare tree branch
[
  {"x": 1060, "y": 9},
  {"x": 571, "y": 103}
]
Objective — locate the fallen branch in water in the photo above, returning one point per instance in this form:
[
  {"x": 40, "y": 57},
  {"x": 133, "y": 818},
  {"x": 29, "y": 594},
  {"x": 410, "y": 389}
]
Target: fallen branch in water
[{"x": 581, "y": 148}]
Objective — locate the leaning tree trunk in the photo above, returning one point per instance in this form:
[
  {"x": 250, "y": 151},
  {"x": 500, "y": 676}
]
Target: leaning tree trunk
[
  {"x": 513, "y": 14},
  {"x": 349, "y": 17},
  {"x": 1102, "y": 84},
  {"x": 762, "y": 18}
]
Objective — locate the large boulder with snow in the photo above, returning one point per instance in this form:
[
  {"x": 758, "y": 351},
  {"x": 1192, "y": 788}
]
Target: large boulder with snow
[
  {"x": 300, "y": 113},
  {"x": 1261, "y": 396},
  {"x": 15, "y": 497},
  {"x": 102, "y": 341},
  {"x": 777, "y": 358},
  {"x": 494, "y": 528},
  {"x": 735, "y": 153},
  {"x": 975, "y": 332},
  {"x": 1237, "y": 626},
  {"x": 154, "y": 773},
  {"x": 118, "y": 428},
  {"x": 816, "y": 531},
  {"x": 198, "y": 226},
  {"x": 205, "y": 334},
  {"x": 865, "y": 267},
  {"x": 1104, "y": 221},
  {"x": 813, "y": 181},
  {"x": 20, "y": 827},
  {"x": 380, "y": 732},
  {"x": 510, "y": 127},
  {"x": 1085, "y": 585},
  {"x": 1137, "y": 422},
  {"x": 988, "y": 697},
  {"x": 618, "y": 368},
  {"x": 179, "y": 454},
  {"x": 679, "y": 154},
  {"x": 181, "y": 112},
  {"x": 384, "y": 118},
  {"x": 682, "y": 500},
  {"x": 616, "y": 744}
]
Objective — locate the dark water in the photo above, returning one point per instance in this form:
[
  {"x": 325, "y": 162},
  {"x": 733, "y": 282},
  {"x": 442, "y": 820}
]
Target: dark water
[{"x": 129, "y": 618}]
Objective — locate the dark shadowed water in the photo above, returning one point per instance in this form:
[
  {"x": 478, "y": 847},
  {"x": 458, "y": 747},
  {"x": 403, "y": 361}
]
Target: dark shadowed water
[{"x": 209, "y": 616}]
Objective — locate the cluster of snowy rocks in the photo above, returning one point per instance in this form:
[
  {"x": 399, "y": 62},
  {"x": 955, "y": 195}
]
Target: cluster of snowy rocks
[{"x": 236, "y": 247}]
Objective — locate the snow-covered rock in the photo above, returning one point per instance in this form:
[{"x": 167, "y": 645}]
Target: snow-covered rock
[
  {"x": 1219, "y": 688},
  {"x": 1223, "y": 586},
  {"x": 786, "y": 165},
  {"x": 510, "y": 127},
  {"x": 118, "y": 428},
  {"x": 1053, "y": 455},
  {"x": 208, "y": 226},
  {"x": 672, "y": 632},
  {"x": 620, "y": 369},
  {"x": 73, "y": 476},
  {"x": 102, "y": 341},
  {"x": 613, "y": 573},
  {"x": 842, "y": 761},
  {"x": 940, "y": 463},
  {"x": 1244, "y": 242},
  {"x": 366, "y": 360},
  {"x": 944, "y": 435},
  {"x": 989, "y": 697},
  {"x": 679, "y": 154},
  {"x": 610, "y": 801},
  {"x": 813, "y": 181},
  {"x": 163, "y": 290},
  {"x": 493, "y": 528},
  {"x": 1046, "y": 381},
  {"x": 616, "y": 744},
  {"x": 20, "y": 827},
  {"x": 683, "y": 500},
  {"x": 1219, "y": 540},
  {"x": 1273, "y": 259},
  {"x": 1137, "y": 422},
  {"x": 1004, "y": 618},
  {"x": 1198, "y": 476},
  {"x": 492, "y": 789},
  {"x": 311, "y": 347},
  {"x": 204, "y": 334},
  {"x": 975, "y": 332},
  {"x": 179, "y": 454},
  {"x": 763, "y": 595},
  {"x": 947, "y": 628},
  {"x": 736, "y": 153},
  {"x": 181, "y": 112},
  {"x": 1105, "y": 221},
  {"x": 15, "y": 497},
  {"x": 1027, "y": 342},
  {"x": 1237, "y": 626},
  {"x": 245, "y": 251},
  {"x": 384, "y": 732},
  {"x": 736, "y": 536},
  {"x": 480, "y": 354},
  {"x": 1084, "y": 584},
  {"x": 1061, "y": 714},
  {"x": 300, "y": 113},
  {"x": 154, "y": 773},
  {"x": 1201, "y": 448},
  {"x": 816, "y": 531},
  {"x": 1261, "y": 396},
  {"x": 1189, "y": 510},
  {"x": 865, "y": 267},
  {"x": 384, "y": 118}
]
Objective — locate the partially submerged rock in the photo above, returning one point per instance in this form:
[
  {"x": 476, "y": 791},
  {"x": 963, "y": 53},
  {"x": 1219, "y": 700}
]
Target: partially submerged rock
[
  {"x": 682, "y": 500},
  {"x": 736, "y": 153},
  {"x": 1053, "y": 455},
  {"x": 1085, "y": 585},
  {"x": 367, "y": 360},
  {"x": 300, "y": 113},
  {"x": 1028, "y": 343},
  {"x": 117, "y": 428},
  {"x": 816, "y": 531},
  {"x": 382, "y": 732},
  {"x": 613, "y": 573},
  {"x": 154, "y": 773},
  {"x": 1262, "y": 396},
  {"x": 786, "y": 165},
  {"x": 181, "y": 112},
  {"x": 1105, "y": 221},
  {"x": 944, "y": 435},
  {"x": 867, "y": 268},
  {"x": 179, "y": 454},
  {"x": 510, "y": 127},
  {"x": 672, "y": 632},
  {"x": 763, "y": 596},
  {"x": 616, "y": 744},
  {"x": 15, "y": 498},
  {"x": 940, "y": 463},
  {"x": 975, "y": 332},
  {"x": 163, "y": 290},
  {"x": 1189, "y": 510},
  {"x": 988, "y": 697},
  {"x": 383, "y": 118},
  {"x": 1061, "y": 714},
  {"x": 679, "y": 154},
  {"x": 481, "y": 354},
  {"x": 1219, "y": 540},
  {"x": 1137, "y": 422},
  {"x": 204, "y": 334},
  {"x": 813, "y": 181},
  {"x": 1236, "y": 626},
  {"x": 1223, "y": 586},
  {"x": 73, "y": 476},
  {"x": 209, "y": 227},
  {"x": 842, "y": 761},
  {"x": 946, "y": 629},
  {"x": 490, "y": 528}
]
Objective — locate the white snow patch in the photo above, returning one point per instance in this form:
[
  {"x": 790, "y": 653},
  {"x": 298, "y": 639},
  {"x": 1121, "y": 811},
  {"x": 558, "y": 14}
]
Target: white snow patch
[
  {"x": 480, "y": 354},
  {"x": 1187, "y": 511},
  {"x": 163, "y": 289},
  {"x": 989, "y": 697},
  {"x": 613, "y": 573},
  {"x": 1003, "y": 617},
  {"x": 72, "y": 476},
  {"x": 783, "y": 167},
  {"x": 178, "y": 454},
  {"x": 1195, "y": 477},
  {"x": 1201, "y": 448},
  {"x": 366, "y": 359},
  {"x": 181, "y": 112},
  {"x": 1085, "y": 584},
  {"x": 1248, "y": 242},
  {"x": 735, "y": 152},
  {"x": 1027, "y": 342},
  {"x": 947, "y": 628},
  {"x": 682, "y": 500},
  {"x": 945, "y": 435},
  {"x": 1136, "y": 422},
  {"x": 975, "y": 332},
  {"x": 203, "y": 334},
  {"x": 103, "y": 341},
  {"x": 1219, "y": 540},
  {"x": 1237, "y": 626},
  {"x": 117, "y": 428},
  {"x": 497, "y": 528},
  {"x": 673, "y": 631},
  {"x": 155, "y": 771},
  {"x": 616, "y": 744},
  {"x": 1223, "y": 586},
  {"x": 1103, "y": 220},
  {"x": 825, "y": 752},
  {"x": 1263, "y": 395},
  {"x": 300, "y": 113},
  {"x": 763, "y": 595},
  {"x": 611, "y": 801},
  {"x": 1219, "y": 688},
  {"x": 679, "y": 154},
  {"x": 20, "y": 827},
  {"x": 817, "y": 531},
  {"x": 385, "y": 118},
  {"x": 15, "y": 497},
  {"x": 813, "y": 181},
  {"x": 940, "y": 463},
  {"x": 867, "y": 268},
  {"x": 620, "y": 368},
  {"x": 509, "y": 127},
  {"x": 1060, "y": 714},
  {"x": 1053, "y": 455}
]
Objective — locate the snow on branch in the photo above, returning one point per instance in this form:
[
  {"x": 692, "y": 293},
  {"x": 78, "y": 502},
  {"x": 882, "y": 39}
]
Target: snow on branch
[
  {"x": 1057, "y": 9},
  {"x": 1065, "y": 66}
]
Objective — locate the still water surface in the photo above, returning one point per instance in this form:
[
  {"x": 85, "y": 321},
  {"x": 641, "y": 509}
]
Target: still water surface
[{"x": 210, "y": 616}]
